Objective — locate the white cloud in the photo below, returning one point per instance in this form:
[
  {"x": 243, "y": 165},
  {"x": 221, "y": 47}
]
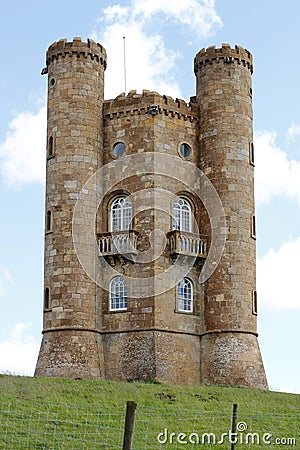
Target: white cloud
[
  {"x": 293, "y": 131},
  {"x": 199, "y": 16},
  {"x": 5, "y": 277},
  {"x": 22, "y": 154},
  {"x": 149, "y": 63},
  {"x": 278, "y": 280},
  {"x": 115, "y": 12},
  {"x": 18, "y": 354},
  {"x": 275, "y": 174},
  {"x": 288, "y": 389}
]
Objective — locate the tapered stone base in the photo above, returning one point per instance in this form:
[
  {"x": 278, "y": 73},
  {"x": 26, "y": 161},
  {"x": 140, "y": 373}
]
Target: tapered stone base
[
  {"x": 232, "y": 358},
  {"x": 71, "y": 354},
  {"x": 168, "y": 357}
]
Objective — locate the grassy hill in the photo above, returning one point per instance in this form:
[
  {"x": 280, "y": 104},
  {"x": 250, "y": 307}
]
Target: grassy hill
[{"x": 48, "y": 413}]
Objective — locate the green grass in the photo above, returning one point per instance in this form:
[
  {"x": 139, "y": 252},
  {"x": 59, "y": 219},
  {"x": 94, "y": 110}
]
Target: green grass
[{"x": 52, "y": 413}]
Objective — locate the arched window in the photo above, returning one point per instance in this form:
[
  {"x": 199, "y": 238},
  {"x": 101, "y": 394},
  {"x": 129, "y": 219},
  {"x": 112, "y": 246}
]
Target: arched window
[
  {"x": 251, "y": 153},
  {"x": 182, "y": 215},
  {"x": 253, "y": 226},
  {"x": 47, "y": 298},
  {"x": 48, "y": 221},
  {"x": 118, "y": 294},
  {"x": 185, "y": 295},
  {"x": 121, "y": 214},
  {"x": 50, "y": 146},
  {"x": 254, "y": 302}
]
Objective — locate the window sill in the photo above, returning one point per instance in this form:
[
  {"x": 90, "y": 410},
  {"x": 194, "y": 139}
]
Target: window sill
[
  {"x": 115, "y": 311},
  {"x": 188, "y": 313}
]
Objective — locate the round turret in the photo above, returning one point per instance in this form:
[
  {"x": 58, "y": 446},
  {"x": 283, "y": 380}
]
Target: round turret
[
  {"x": 224, "y": 95},
  {"x": 74, "y": 153}
]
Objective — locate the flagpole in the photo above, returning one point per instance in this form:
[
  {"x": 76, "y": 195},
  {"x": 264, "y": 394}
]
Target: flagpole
[{"x": 124, "y": 51}]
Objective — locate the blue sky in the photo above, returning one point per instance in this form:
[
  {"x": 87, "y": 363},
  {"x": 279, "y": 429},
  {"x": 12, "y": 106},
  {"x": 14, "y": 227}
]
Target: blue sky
[{"x": 162, "y": 38}]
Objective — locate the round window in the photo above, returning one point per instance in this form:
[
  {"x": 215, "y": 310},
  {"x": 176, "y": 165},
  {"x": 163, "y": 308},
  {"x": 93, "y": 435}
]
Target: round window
[
  {"x": 118, "y": 149},
  {"x": 185, "y": 150},
  {"x": 52, "y": 82}
]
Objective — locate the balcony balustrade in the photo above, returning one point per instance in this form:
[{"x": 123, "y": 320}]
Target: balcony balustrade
[
  {"x": 118, "y": 243},
  {"x": 178, "y": 243},
  {"x": 185, "y": 243}
]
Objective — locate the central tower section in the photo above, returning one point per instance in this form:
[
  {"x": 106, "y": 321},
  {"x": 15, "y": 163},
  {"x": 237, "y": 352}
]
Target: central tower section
[{"x": 147, "y": 226}]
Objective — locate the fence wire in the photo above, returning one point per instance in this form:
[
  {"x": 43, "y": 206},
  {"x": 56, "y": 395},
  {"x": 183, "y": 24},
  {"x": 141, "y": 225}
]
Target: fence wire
[{"x": 45, "y": 426}]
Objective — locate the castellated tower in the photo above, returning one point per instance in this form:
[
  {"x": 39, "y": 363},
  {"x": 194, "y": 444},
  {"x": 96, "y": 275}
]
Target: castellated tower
[
  {"x": 70, "y": 345},
  {"x": 229, "y": 347},
  {"x": 169, "y": 293}
]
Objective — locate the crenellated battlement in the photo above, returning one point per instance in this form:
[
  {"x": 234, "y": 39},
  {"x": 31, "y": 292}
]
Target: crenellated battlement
[
  {"x": 89, "y": 49},
  {"x": 149, "y": 102},
  {"x": 225, "y": 54}
]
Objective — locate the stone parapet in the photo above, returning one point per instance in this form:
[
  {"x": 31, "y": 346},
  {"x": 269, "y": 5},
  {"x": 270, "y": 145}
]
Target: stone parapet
[
  {"x": 225, "y": 54},
  {"x": 150, "y": 103},
  {"x": 63, "y": 49}
]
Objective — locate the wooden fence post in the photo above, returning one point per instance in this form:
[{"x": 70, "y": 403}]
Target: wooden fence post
[
  {"x": 129, "y": 425},
  {"x": 233, "y": 425}
]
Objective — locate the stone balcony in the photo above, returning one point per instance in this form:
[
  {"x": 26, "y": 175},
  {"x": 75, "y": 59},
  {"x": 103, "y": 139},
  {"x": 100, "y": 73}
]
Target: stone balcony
[
  {"x": 118, "y": 243},
  {"x": 125, "y": 244},
  {"x": 185, "y": 243}
]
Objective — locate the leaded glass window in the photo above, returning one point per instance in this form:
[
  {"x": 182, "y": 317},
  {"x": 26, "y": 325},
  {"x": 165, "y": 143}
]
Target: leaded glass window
[
  {"x": 185, "y": 295},
  {"x": 118, "y": 294},
  {"x": 182, "y": 215},
  {"x": 121, "y": 214}
]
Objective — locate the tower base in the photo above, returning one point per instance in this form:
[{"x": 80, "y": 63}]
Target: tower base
[
  {"x": 233, "y": 359},
  {"x": 164, "y": 356},
  {"x": 71, "y": 354}
]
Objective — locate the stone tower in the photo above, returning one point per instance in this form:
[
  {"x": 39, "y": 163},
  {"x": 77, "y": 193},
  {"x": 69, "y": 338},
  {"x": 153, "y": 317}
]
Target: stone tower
[
  {"x": 70, "y": 345},
  {"x": 142, "y": 308},
  {"x": 229, "y": 347}
]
